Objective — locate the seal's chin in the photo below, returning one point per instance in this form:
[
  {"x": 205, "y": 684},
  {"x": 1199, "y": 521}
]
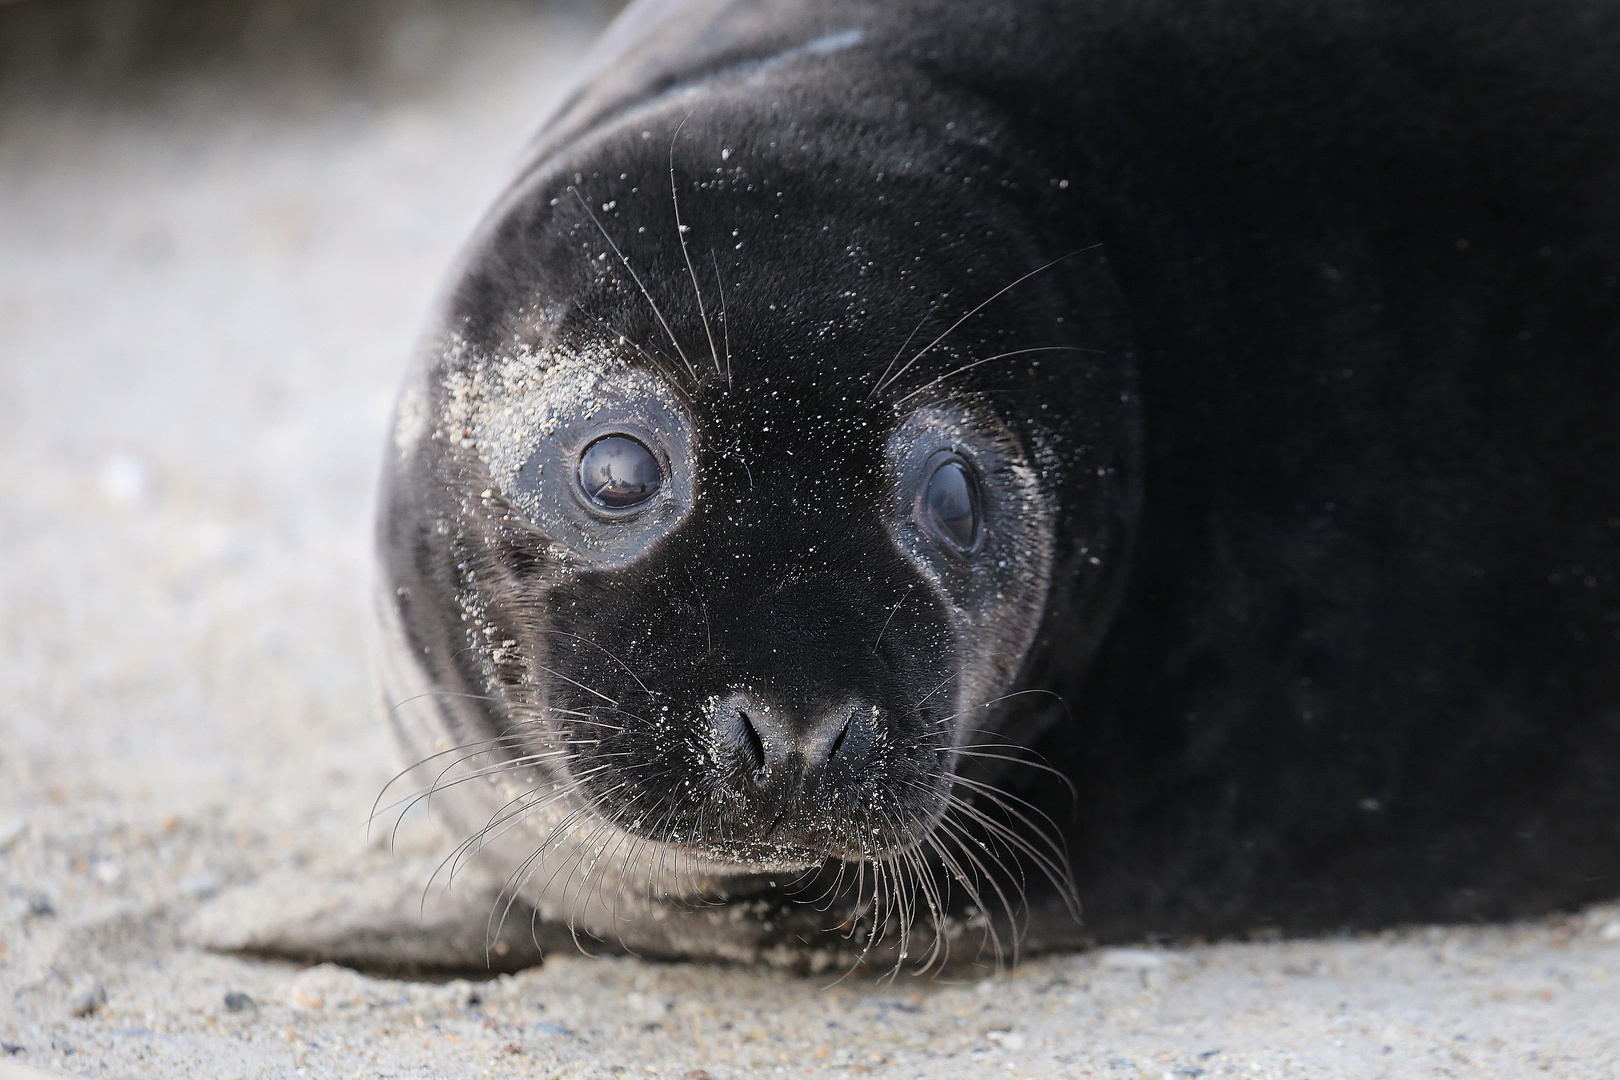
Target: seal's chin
[{"x": 820, "y": 844}]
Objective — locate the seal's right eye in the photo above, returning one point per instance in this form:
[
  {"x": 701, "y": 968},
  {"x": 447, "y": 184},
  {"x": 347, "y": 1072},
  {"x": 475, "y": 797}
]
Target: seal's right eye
[{"x": 617, "y": 472}]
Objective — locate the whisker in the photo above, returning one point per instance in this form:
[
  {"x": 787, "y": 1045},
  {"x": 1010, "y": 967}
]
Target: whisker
[
  {"x": 660, "y": 363},
  {"x": 937, "y": 688},
  {"x": 725, "y": 322},
  {"x": 581, "y": 685},
  {"x": 889, "y": 380},
  {"x": 1053, "y": 862},
  {"x": 637, "y": 279},
  {"x": 933, "y": 307},
  {"x": 610, "y": 656},
  {"x": 953, "y": 832},
  {"x": 892, "y": 613},
  {"x": 999, "y": 356},
  {"x": 973, "y": 752},
  {"x": 680, "y": 231},
  {"x": 401, "y": 774},
  {"x": 1008, "y": 697}
]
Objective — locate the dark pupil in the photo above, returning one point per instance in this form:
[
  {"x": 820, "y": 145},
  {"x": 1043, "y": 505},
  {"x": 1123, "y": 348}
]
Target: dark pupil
[
  {"x": 950, "y": 505},
  {"x": 616, "y": 471}
]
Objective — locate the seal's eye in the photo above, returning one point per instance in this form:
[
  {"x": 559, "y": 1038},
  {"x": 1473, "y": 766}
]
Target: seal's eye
[
  {"x": 951, "y": 505},
  {"x": 618, "y": 472}
]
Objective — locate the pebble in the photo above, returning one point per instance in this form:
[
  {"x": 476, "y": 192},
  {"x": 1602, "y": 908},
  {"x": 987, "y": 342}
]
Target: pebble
[
  {"x": 86, "y": 999},
  {"x": 1130, "y": 959},
  {"x": 236, "y": 1002},
  {"x": 11, "y": 830},
  {"x": 1610, "y": 931},
  {"x": 200, "y": 886}
]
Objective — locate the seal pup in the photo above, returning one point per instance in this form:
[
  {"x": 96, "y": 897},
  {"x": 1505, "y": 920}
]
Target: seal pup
[{"x": 887, "y": 471}]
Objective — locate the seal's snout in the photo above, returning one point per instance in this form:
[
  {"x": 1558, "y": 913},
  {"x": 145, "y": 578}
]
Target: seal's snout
[{"x": 777, "y": 753}]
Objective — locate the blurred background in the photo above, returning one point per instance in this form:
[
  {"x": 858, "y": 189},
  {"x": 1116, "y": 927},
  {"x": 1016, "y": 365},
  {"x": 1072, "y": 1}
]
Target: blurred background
[{"x": 222, "y": 225}]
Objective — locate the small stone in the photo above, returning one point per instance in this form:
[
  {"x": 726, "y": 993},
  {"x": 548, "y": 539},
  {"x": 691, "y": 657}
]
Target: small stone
[
  {"x": 546, "y": 1027},
  {"x": 39, "y": 906},
  {"x": 236, "y": 1002},
  {"x": 1130, "y": 959},
  {"x": 1610, "y": 931},
  {"x": 200, "y": 886},
  {"x": 12, "y": 1049},
  {"x": 87, "y": 999},
  {"x": 646, "y": 1007},
  {"x": 11, "y": 830}
]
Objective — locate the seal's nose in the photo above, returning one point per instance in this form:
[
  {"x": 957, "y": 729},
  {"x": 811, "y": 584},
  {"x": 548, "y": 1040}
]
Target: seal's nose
[{"x": 779, "y": 751}]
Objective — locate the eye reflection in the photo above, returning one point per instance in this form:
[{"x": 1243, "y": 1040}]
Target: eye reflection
[
  {"x": 618, "y": 472},
  {"x": 951, "y": 505}
]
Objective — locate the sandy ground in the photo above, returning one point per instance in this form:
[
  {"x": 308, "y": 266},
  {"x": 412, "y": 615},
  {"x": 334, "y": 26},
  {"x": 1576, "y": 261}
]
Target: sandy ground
[{"x": 205, "y": 300}]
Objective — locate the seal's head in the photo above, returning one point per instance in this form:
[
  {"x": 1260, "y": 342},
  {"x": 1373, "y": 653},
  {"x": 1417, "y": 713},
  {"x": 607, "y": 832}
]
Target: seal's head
[{"x": 738, "y": 492}]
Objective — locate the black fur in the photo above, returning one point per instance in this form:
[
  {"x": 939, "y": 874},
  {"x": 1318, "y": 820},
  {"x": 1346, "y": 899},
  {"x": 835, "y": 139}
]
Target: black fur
[{"x": 1333, "y": 437}]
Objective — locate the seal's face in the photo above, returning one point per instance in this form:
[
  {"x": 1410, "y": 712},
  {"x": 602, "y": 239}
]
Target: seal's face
[
  {"x": 725, "y": 573},
  {"x": 747, "y": 618}
]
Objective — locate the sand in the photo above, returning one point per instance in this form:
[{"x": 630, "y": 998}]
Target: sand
[{"x": 207, "y": 294}]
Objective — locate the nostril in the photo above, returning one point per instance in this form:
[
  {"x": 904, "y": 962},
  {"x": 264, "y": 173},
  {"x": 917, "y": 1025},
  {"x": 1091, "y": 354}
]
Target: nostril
[
  {"x": 851, "y": 748},
  {"x": 843, "y": 733},
  {"x": 756, "y": 745}
]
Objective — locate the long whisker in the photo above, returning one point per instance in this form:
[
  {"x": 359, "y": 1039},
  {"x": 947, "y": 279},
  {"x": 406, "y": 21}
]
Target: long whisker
[
  {"x": 937, "y": 688},
  {"x": 610, "y": 656},
  {"x": 1055, "y": 866},
  {"x": 969, "y": 884},
  {"x": 892, "y": 613},
  {"x": 973, "y": 751},
  {"x": 725, "y": 322},
  {"x": 439, "y": 784},
  {"x": 889, "y": 380},
  {"x": 895, "y": 359},
  {"x": 574, "y": 682},
  {"x": 518, "y": 878},
  {"x": 637, "y": 279},
  {"x": 964, "y": 844},
  {"x": 1008, "y": 697},
  {"x": 925, "y": 387},
  {"x": 680, "y": 231},
  {"x": 401, "y": 774},
  {"x": 660, "y": 362}
]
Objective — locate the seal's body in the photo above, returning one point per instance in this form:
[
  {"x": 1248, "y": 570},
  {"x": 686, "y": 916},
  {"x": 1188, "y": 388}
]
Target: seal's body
[{"x": 854, "y": 401}]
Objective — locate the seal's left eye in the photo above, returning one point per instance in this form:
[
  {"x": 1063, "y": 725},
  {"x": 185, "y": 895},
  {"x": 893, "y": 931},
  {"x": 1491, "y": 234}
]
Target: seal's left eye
[
  {"x": 618, "y": 472},
  {"x": 950, "y": 505}
]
